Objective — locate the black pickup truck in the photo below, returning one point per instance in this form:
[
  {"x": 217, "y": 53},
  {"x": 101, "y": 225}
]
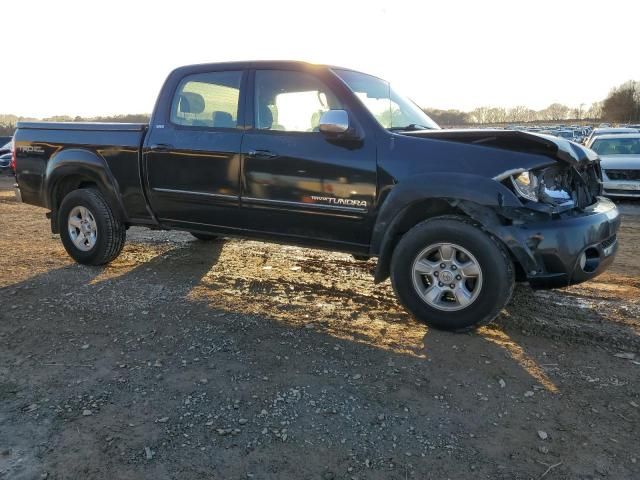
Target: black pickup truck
[{"x": 331, "y": 158}]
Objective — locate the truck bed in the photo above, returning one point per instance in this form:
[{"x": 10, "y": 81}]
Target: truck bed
[{"x": 47, "y": 146}]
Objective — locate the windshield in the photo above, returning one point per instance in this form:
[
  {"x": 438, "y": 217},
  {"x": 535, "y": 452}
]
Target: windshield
[
  {"x": 391, "y": 109},
  {"x": 617, "y": 146}
]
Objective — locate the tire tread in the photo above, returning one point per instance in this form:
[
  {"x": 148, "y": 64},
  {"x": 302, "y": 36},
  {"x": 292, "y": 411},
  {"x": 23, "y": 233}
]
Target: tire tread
[
  {"x": 115, "y": 233},
  {"x": 505, "y": 263}
]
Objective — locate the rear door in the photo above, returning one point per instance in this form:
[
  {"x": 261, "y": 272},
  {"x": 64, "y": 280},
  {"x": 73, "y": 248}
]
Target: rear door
[
  {"x": 192, "y": 158},
  {"x": 296, "y": 182}
]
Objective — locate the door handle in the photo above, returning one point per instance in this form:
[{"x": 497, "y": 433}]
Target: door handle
[
  {"x": 263, "y": 154},
  {"x": 160, "y": 147}
]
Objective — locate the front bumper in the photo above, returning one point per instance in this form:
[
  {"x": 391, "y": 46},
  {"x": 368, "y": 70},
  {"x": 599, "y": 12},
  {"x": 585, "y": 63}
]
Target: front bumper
[
  {"x": 621, "y": 188},
  {"x": 571, "y": 249}
]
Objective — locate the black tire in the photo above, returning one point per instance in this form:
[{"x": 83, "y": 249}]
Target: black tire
[
  {"x": 205, "y": 237},
  {"x": 496, "y": 267},
  {"x": 111, "y": 233}
]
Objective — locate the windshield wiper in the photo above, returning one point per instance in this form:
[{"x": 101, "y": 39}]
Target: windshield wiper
[{"x": 408, "y": 128}]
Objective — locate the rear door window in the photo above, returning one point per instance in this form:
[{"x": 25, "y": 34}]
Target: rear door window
[{"x": 207, "y": 100}]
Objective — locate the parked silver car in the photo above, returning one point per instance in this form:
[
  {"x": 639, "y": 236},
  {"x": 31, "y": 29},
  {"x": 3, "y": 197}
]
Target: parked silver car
[
  {"x": 620, "y": 163},
  {"x": 5, "y": 158},
  {"x": 607, "y": 131}
]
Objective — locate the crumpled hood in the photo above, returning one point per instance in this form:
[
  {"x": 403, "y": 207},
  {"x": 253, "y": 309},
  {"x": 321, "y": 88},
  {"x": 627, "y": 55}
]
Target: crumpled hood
[{"x": 515, "y": 140}]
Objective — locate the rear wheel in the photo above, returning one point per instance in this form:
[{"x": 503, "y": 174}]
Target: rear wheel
[
  {"x": 205, "y": 237},
  {"x": 89, "y": 230},
  {"x": 451, "y": 275}
]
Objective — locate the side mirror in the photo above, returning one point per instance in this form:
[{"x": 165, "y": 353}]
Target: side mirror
[{"x": 334, "y": 122}]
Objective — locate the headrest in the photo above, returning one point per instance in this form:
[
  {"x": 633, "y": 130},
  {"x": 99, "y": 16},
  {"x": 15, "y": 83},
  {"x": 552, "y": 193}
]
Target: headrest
[
  {"x": 223, "y": 120},
  {"x": 607, "y": 149},
  {"x": 265, "y": 118},
  {"x": 190, "y": 102}
]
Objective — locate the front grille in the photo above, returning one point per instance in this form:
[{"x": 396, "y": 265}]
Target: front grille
[
  {"x": 623, "y": 193},
  {"x": 608, "y": 242},
  {"x": 623, "y": 174},
  {"x": 585, "y": 184}
]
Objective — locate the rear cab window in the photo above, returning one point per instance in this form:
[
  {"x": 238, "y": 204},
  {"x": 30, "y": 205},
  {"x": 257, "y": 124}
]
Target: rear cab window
[{"x": 207, "y": 100}]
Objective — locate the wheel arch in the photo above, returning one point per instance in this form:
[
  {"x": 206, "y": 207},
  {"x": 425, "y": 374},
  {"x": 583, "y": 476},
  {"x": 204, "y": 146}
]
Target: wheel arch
[
  {"x": 72, "y": 169},
  {"x": 429, "y": 196}
]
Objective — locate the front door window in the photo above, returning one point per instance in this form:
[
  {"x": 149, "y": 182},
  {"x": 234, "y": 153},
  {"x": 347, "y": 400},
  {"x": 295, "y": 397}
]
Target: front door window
[{"x": 291, "y": 101}]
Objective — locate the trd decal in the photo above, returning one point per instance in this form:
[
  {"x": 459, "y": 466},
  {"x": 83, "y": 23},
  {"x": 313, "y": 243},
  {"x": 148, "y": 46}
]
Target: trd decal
[{"x": 31, "y": 149}]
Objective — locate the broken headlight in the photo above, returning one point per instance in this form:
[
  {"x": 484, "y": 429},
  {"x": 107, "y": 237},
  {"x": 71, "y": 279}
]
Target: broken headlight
[
  {"x": 550, "y": 186},
  {"x": 526, "y": 185}
]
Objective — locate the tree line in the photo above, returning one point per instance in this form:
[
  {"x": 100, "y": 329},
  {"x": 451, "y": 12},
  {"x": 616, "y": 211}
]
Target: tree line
[
  {"x": 556, "y": 112},
  {"x": 622, "y": 105}
]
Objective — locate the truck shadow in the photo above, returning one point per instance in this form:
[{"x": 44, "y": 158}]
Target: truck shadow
[
  {"x": 185, "y": 314},
  {"x": 183, "y": 287},
  {"x": 595, "y": 312}
]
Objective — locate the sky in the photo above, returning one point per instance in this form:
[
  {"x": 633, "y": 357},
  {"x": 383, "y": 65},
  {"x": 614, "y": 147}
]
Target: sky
[{"x": 110, "y": 57}]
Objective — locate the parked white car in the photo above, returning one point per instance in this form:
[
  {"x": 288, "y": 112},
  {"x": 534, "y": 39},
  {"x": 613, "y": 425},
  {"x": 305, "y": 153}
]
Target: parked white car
[
  {"x": 608, "y": 131},
  {"x": 620, "y": 163}
]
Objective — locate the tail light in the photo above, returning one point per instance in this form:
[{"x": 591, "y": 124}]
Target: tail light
[{"x": 13, "y": 159}]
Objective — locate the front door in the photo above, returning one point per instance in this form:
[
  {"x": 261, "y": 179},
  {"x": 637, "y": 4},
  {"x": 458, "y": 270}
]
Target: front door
[
  {"x": 193, "y": 159},
  {"x": 297, "y": 183}
]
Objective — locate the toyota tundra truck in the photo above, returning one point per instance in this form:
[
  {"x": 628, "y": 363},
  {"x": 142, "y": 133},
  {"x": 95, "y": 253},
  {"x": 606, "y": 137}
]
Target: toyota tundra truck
[{"x": 327, "y": 157}]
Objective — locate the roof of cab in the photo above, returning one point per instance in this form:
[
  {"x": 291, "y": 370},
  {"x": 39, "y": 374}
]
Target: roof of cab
[
  {"x": 251, "y": 64},
  {"x": 275, "y": 64}
]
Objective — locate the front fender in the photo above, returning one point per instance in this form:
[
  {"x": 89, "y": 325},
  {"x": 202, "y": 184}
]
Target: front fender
[
  {"x": 83, "y": 166},
  {"x": 451, "y": 187}
]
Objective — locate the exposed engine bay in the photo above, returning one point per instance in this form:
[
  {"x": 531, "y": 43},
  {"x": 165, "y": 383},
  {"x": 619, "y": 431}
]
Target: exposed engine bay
[{"x": 570, "y": 185}]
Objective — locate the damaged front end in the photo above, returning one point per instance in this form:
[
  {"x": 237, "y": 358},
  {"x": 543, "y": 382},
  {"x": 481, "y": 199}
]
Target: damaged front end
[
  {"x": 571, "y": 180},
  {"x": 565, "y": 232},
  {"x": 543, "y": 203}
]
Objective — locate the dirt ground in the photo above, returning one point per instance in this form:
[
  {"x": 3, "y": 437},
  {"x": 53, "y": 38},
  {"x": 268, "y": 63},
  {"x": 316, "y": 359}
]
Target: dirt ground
[{"x": 239, "y": 359}]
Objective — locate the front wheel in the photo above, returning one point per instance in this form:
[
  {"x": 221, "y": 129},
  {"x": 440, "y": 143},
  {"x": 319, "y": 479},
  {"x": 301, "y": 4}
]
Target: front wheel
[
  {"x": 89, "y": 230},
  {"x": 451, "y": 275}
]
